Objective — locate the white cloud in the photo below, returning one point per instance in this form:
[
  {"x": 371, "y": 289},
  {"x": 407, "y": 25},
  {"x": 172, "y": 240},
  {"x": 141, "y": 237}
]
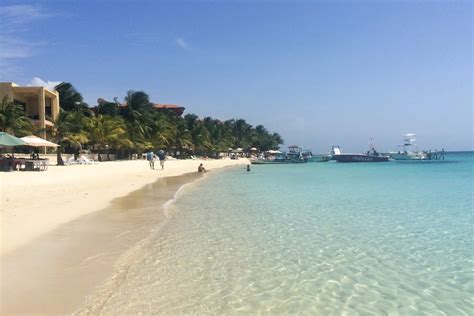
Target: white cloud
[
  {"x": 15, "y": 17},
  {"x": 15, "y": 20},
  {"x": 38, "y": 82},
  {"x": 22, "y": 11},
  {"x": 181, "y": 43},
  {"x": 13, "y": 48}
]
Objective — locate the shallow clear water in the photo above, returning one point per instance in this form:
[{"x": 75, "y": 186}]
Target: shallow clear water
[{"x": 316, "y": 238}]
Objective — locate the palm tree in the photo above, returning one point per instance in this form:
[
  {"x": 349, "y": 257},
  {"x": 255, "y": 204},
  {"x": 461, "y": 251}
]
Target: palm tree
[
  {"x": 181, "y": 136},
  {"x": 241, "y": 132},
  {"x": 162, "y": 130},
  {"x": 139, "y": 117},
  {"x": 105, "y": 131},
  {"x": 13, "y": 119},
  {"x": 229, "y": 131},
  {"x": 199, "y": 133},
  {"x": 220, "y": 137},
  {"x": 77, "y": 139},
  {"x": 137, "y": 110},
  {"x": 136, "y": 126},
  {"x": 70, "y": 99},
  {"x": 68, "y": 129},
  {"x": 108, "y": 108}
]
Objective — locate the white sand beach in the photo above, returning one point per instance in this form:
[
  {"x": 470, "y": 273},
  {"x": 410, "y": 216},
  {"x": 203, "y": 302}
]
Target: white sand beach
[{"x": 35, "y": 203}]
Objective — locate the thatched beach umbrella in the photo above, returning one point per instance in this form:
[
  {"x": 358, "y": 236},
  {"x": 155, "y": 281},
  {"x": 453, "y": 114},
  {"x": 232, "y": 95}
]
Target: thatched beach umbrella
[{"x": 7, "y": 140}]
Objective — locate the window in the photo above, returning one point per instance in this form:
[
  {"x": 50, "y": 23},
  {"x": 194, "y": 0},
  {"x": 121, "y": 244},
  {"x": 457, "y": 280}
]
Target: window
[{"x": 21, "y": 103}]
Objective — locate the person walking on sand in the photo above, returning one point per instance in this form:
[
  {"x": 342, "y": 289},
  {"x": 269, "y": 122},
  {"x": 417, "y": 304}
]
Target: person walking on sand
[
  {"x": 151, "y": 159},
  {"x": 162, "y": 157},
  {"x": 201, "y": 168}
]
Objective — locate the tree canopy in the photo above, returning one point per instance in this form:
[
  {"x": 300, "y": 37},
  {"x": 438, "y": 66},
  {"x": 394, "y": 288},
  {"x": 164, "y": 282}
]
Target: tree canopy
[{"x": 134, "y": 126}]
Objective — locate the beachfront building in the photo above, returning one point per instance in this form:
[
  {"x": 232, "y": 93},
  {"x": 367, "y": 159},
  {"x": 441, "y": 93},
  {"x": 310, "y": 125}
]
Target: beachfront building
[
  {"x": 40, "y": 104},
  {"x": 177, "y": 109}
]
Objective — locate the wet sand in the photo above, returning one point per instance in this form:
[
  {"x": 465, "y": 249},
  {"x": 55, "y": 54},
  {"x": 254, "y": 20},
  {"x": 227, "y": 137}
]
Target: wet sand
[
  {"x": 35, "y": 203},
  {"x": 54, "y": 273}
]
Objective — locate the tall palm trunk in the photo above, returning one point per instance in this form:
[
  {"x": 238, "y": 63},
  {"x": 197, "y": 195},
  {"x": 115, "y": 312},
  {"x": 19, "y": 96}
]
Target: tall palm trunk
[{"x": 59, "y": 158}]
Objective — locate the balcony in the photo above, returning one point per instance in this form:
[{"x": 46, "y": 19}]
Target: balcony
[{"x": 37, "y": 122}]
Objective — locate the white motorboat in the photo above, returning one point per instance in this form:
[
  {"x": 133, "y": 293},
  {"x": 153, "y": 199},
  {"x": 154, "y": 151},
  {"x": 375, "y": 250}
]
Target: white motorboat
[{"x": 409, "y": 150}]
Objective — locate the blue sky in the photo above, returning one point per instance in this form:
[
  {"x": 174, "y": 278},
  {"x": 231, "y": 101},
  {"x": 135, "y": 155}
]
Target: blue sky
[{"x": 320, "y": 73}]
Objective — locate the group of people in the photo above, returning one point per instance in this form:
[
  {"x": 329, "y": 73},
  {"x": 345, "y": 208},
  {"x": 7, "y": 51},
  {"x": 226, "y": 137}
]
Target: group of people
[{"x": 151, "y": 157}]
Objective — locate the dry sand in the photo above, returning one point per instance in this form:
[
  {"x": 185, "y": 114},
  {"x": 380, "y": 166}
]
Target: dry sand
[{"x": 35, "y": 203}]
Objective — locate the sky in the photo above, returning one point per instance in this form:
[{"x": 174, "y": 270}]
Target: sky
[{"x": 320, "y": 73}]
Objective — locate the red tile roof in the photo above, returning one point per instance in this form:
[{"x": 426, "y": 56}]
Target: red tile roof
[{"x": 175, "y": 108}]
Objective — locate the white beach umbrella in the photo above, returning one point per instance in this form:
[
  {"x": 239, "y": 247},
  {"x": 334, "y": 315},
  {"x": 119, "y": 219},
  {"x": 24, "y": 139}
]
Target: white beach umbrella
[
  {"x": 36, "y": 141},
  {"x": 253, "y": 149}
]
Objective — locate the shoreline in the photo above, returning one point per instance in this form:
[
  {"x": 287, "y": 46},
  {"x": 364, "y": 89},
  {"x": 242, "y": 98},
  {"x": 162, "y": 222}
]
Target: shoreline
[
  {"x": 57, "y": 270},
  {"x": 94, "y": 301},
  {"x": 35, "y": 203}
]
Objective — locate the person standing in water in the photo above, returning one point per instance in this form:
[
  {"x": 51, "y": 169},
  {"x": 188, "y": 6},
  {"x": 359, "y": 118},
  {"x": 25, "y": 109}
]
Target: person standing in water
[{"x": 248, "y": 168}]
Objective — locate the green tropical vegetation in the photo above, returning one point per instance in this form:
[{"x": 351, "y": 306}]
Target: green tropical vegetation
[
  {"x": 13, "y": 119},
  {"x": 70, "y": 99},
  {"x": 135, "y": 126}
]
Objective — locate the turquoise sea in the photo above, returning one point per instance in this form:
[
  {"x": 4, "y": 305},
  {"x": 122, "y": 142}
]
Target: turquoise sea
[{"x": 316, "y": 239}]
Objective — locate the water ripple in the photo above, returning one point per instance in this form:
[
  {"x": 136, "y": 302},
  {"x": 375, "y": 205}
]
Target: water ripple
[{"x": 359, "y": 241}]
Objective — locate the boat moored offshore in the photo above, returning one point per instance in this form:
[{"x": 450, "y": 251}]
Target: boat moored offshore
[
  {"x": 409, "y": 150},
  {"x": 294, "y": 155},
  {"x": 371, "y": 156},
  {"x": 306, "y": 154},
  {"x": 318, "y": 158}
]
